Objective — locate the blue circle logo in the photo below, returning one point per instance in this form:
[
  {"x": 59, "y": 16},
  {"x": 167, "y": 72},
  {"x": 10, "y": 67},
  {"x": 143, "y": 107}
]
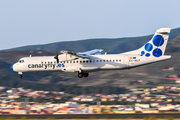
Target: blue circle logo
[
  {"x": 147, "y": 55},
  {"x": 148, "y": 47},
  {"x": 157, "y": 52},
  {"x": 142, "y": 53},
  {"x": 158, "y": 40}
]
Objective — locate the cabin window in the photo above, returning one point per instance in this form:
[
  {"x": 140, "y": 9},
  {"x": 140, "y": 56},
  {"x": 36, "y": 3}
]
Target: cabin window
[
  {"x": 94, "y": 61},
  {"x": 67, "y": 61},
  {"x": 113, "y": 60},
  {"x": 73, "y": 61},
  {"x": 48, "y": 62},
  {"x": 45, "y": 62},
  {"x": 97, "y": 60},
  {"x": 83, "y": 61},
  {"x": 109, "y": 60},
  {"x": 54, "y": 62},
  {"x": 87, "y": 61},
  {"x": 76, "y": 61},
  {"x": 51, "y": 62},
  {"x": 116, "y": 60},
  {"x": 70, "y": 61},
  {"x": 41, "y": 62},
  {"x": 119, "y": 60},
  {"x": 104, "y": 60},
  {"x": 100, "y": 61},
  {"x": 90, "y": 61},
  {"x": 80, "y": 61}
]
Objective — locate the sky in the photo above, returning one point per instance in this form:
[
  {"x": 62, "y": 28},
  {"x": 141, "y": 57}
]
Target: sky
[{"x": 32, "y": 22}]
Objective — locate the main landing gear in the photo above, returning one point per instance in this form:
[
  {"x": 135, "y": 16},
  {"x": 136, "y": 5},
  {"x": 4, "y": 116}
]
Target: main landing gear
[{"x": 80, "y": 75}]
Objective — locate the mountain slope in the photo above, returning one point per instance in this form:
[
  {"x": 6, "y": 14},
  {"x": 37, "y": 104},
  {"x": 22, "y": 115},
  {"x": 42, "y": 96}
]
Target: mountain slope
[{"x": 114, "y": 45}]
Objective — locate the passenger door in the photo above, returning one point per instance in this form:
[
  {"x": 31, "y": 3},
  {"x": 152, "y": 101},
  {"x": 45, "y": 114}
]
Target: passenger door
[{"x": 126, "y": 61}]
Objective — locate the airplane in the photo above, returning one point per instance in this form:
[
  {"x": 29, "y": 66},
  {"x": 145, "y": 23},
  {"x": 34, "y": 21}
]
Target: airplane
[{"x": 83, "y": 63}]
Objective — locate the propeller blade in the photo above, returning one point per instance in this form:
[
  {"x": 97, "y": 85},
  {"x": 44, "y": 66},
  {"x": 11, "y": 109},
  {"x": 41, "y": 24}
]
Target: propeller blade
[{"x": 56, "y": 57}]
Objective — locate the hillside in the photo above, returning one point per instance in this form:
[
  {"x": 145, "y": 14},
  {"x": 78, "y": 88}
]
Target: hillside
[
  {"x": 113, "y": 45},
  {"x": 152, "y": 74}
]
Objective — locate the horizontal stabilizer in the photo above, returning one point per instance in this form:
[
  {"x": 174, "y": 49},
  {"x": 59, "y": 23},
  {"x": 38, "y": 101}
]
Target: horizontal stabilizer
[{"x": 163, "y": 30}]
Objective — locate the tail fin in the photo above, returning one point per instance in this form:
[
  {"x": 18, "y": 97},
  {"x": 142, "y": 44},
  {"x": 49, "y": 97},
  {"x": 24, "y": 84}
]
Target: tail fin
[{"x": 156, "y": 46}]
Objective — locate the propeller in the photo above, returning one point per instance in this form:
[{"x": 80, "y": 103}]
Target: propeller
[{"x": 56, "y": 57}]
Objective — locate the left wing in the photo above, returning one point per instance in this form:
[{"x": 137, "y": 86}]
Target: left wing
[{"x": 84, "y": 54}]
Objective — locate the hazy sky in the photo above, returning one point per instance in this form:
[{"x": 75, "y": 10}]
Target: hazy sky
[{"x": 30, "y": 22}]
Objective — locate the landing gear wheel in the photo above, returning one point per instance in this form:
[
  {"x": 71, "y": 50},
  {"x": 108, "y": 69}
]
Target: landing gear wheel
[
  {"x": 20, "y": 76},
  {"x": 80, "y": 75},
  {"x": 86, "y": 74}
]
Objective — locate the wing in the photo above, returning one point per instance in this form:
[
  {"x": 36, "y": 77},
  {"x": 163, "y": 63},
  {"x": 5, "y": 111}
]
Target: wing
[
  {"x": 92, "y": 52},
  {"x": 84, "y": 54}
]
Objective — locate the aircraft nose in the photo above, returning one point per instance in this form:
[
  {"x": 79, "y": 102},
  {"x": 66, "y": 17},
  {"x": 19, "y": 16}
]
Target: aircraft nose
[{"x": 11, "y": 67}]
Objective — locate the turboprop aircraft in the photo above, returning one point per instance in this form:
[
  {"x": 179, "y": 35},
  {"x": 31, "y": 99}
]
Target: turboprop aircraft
[{"x": 91, "y": 61}]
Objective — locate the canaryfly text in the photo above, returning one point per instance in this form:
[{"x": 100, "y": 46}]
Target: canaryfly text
[{"x": 45, "y": 66}]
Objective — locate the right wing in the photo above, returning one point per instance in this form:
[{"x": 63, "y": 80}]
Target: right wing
[
  {"x": 92, "y": 52},
  {"x": 84, "y": 54}
]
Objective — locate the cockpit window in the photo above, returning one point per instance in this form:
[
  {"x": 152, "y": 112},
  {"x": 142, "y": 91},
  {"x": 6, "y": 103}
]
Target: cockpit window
[{"x": 21, "y": 61}]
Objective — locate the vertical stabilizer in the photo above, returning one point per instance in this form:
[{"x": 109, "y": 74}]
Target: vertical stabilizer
[{"x": 156, "y": 46}]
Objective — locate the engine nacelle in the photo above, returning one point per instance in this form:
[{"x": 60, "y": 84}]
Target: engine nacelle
[{"x": 66, "y": 57}]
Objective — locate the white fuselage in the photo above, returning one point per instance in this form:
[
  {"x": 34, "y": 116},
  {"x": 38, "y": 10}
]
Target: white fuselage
[
  {"x": 85, "y": 62},
  {"x": 94, "y": 63}
]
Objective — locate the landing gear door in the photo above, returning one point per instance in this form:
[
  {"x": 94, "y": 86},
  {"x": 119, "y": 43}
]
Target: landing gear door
[{"x": 126, "y": 61}]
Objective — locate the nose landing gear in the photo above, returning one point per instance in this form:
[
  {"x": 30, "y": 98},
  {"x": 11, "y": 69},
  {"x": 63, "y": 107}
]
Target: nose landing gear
[{"x": 20, "y": 76}]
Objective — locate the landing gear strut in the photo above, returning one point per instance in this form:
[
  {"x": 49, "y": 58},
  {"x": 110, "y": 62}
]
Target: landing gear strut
[
  {"x": 80, "y": 75},
  {"x": 20, "y": 76}
]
